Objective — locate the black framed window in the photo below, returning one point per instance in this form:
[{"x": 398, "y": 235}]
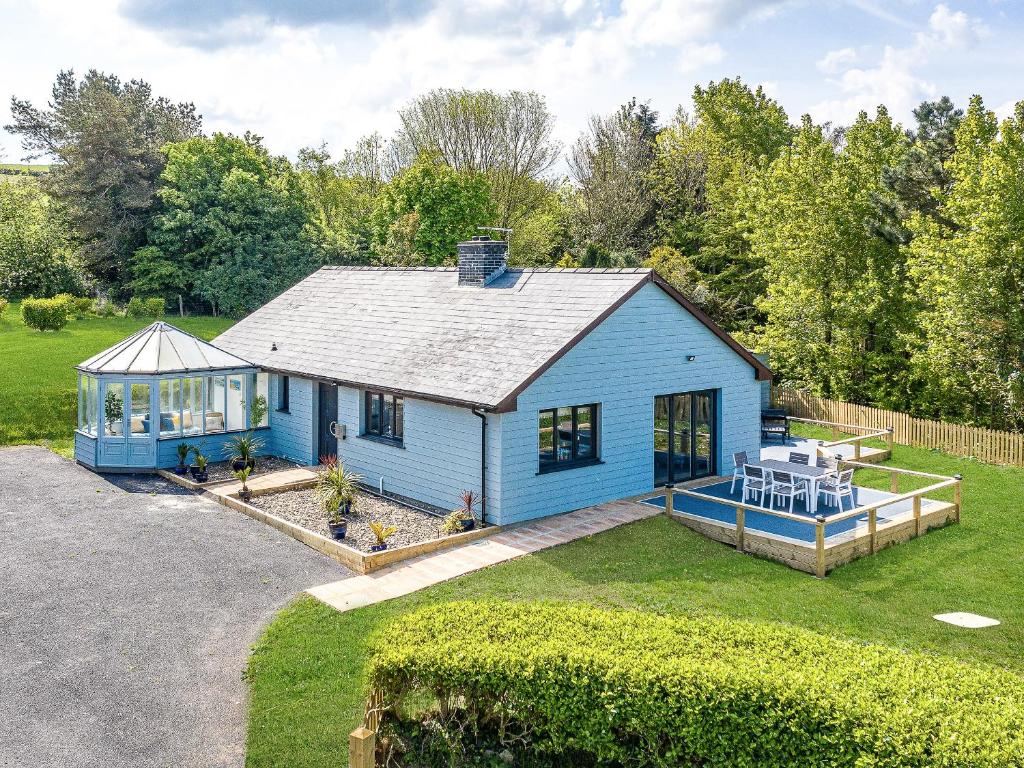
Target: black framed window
[
  {"x": 283, "y": 394},
  {"x": 383, "y": 416},
  {"x": 568, "y": 437}
]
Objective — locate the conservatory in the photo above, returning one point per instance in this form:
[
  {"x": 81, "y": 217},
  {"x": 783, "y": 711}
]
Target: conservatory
[{"x": 140, "y": 399}]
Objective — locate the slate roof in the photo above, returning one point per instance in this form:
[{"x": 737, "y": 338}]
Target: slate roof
[
  {"x": 161, "y": 348},
  {"x": 417, "y": 332}
]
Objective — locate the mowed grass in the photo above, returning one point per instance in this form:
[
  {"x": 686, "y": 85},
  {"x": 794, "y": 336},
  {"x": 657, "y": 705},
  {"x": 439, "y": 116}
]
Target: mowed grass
[
  {"x": 38, "y": 385},
  {"x": 306, "y": 674}
]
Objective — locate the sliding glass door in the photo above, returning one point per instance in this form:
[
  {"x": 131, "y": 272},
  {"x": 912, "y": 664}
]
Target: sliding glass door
[{"x": 684, "y": 436}]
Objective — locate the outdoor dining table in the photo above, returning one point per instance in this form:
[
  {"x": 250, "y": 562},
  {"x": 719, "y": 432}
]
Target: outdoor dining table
[{"x": 812, "y": 474}]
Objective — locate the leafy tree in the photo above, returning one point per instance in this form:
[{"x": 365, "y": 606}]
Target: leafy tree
[
  {"x": 610, "y": 164},
  {"x": 839, "y": 312},
  {"x": 339, "y": 206},
  {"x": 678, "y": 269},
  {"x": 104, "y": 136},
  {"x": 972, "y": 274},
  {"x": 703, "y": 168},
  {"x": 36, "y": 258},
  {"x": 428, "y": 208},
  {"x": 505, "y": 136},
  {"x": 232, "y": 223}
]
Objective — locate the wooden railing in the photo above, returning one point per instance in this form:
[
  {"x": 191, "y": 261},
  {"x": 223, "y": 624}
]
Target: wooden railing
[
  {"x": 990, "y": 445},
  {"x": 855, "y": 440},
  {"x": 819, "y": 521}
]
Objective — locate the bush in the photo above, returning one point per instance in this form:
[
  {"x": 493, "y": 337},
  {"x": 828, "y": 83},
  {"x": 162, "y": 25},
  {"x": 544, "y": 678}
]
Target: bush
[
  {"x": 136, "y": 308},
  {"x": 82, "y": 305},
  {"x": 155, "y": 307},
  {"x": 45, "y": 314},
  {"x": 106, "y": 309},
  {"x": 3, "y": 307},
  {"x": 576, "y": 685}
]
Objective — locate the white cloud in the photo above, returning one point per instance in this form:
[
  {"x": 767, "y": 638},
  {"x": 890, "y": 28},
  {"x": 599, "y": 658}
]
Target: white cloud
[
  {"x": 895, "y": 80},
  {"x": 836, "y": 61}
]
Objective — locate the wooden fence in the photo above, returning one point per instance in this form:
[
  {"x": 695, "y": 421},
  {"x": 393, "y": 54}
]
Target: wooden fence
[{"x": 990, "y": 445}]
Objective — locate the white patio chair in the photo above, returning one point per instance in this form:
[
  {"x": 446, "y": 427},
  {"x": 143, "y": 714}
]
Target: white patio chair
[
  {"x": 756, "y": 482},
  {"x": 738, "y": 460},
  {"x": 837, "y": 487},
  {"x": 799, "y": 458},
  {"x": 785, "y": 486}
]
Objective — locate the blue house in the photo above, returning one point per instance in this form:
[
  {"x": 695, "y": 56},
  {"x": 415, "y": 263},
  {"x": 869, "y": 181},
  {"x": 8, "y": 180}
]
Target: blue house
[{"x": 543, "y": 390}]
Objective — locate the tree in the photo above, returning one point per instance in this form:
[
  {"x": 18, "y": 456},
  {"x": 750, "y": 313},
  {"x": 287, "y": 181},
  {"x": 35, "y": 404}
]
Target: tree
[
  {"x": 505, "y": 136},
  {"x": 610, "y": 164},
  {"x": 910, "y": 187},
  {"x": 36, "y": 257},
  {"x": 232, "y": 223},
  {"x": 703, "y": 168},
  {"x": 972, "y": 274},
  {"x": 428, "y": 208},
  {"x": 839, "y": 311},
  {"x": 678, "y": 269},
  {"x": 104, "y": 136},
  {"x": 339, "y": 205}
]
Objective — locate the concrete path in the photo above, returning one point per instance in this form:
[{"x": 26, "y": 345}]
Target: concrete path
[
  {"x": 427, "y": 570},
  {"x": 128, "y": 609}
]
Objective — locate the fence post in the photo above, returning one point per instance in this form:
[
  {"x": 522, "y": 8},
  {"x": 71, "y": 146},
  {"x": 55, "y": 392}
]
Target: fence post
[
  {"x": 917, "y": 515},
  {"x": 362, "y": 744},
  {"x": 873, "y": 529},
  {"x": 956, "y": 495},
  {"x": 669, "y": 500},
  {"x": 740, "y": 528},
  {"x": 856, "y": 450},
  {"x": 890, "y": 439},
  {"x": 894, "y": 482},
  {"x": 819, "y": 547},
  {"x": 835, "y": 433}
]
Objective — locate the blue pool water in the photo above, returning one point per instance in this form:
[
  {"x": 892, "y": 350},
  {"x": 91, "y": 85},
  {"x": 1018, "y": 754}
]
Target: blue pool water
[{"x": 769, "y": 523}]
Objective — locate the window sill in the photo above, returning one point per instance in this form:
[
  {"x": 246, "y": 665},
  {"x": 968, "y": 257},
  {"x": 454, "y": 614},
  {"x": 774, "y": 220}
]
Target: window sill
[
  {"x": 383, "y": 440},
  {"x": 283, "y": 410},
  {"x": 210, "y": 434},
  {"x": 564, "y": 465}
]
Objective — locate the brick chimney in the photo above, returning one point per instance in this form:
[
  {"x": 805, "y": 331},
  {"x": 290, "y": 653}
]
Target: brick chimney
[{"x": 481, "y": 260}]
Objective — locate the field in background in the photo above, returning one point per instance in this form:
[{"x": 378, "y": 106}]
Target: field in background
[{"x": 38, "y": 387}]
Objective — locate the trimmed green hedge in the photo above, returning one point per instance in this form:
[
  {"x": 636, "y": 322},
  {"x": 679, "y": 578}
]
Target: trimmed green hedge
[
  {"x": 46, "y": 314},
  {"x": 622, "y": 688}
]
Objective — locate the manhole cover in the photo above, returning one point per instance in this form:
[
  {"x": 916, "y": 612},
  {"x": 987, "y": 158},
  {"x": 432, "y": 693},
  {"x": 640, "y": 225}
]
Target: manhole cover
[{"x": 969, "y": 620}]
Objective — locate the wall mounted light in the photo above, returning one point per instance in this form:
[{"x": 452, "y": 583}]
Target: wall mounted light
[
  {"x": 690, "y": 358},
  {"x": 273, "y": 346}
]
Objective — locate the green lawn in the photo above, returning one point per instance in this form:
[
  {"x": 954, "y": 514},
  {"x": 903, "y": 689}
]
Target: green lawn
[
  {"x": 306, "y": 674},
  {"x": 37, "y": 378}
]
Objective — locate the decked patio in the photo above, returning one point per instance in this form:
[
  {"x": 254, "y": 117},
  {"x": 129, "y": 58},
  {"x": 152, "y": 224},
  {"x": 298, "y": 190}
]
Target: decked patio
[{"x": 825, "y": 537}]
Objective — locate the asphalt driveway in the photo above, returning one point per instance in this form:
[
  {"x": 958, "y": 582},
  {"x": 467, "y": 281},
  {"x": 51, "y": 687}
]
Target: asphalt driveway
[{"x": 127, "y": 610}]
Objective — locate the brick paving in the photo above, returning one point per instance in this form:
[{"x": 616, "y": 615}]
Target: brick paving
[{"x": 427, "y": 570}]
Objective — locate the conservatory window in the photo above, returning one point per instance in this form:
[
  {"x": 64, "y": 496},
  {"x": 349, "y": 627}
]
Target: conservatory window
[
  {"x": 113, "y": 409},
  {"x": 262, "y": 389},
  {"x": 170, "y": 407},
  {"x": 140, "y": 410},
  {"x": 236, "y": 402},
  {"x": 215, "y": 403},
  {"x": 192, "y": 406},
  {"x": 87, "y": 391}
]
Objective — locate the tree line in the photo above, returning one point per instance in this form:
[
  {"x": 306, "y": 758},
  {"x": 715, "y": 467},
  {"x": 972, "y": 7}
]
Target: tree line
[{"x": 873, "y": 262}]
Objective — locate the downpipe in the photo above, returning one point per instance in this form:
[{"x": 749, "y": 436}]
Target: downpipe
[{"x": 483, "y": 464}]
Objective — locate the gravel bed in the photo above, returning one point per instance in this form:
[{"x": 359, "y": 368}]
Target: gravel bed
[
  {"x": 221, "y": 470},
  {"x": 299, "y": 507}
]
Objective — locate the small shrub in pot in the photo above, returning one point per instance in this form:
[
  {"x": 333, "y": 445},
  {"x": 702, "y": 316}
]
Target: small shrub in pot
[
  {"x": 183, "y": 450},
  {"x": 242, "y": 450},
  {"x": 243, "y": 475},
  {"x": 199, "y": 462},
  {"x": 336, "y": 492},
  {"x": 382, "y": 533},
  {"x": 462, "y": 518}
]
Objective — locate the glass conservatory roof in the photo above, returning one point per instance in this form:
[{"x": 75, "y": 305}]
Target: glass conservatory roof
[{"x": 161, "y": 348}]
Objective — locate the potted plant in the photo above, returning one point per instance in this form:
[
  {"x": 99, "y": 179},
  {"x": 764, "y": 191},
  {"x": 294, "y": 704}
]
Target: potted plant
[
  {"x": 242, "y": 451},
  {"x": 113, "y": 406},
  {"x": 243, "y": 474},
  {"x": 184, "y": 449},
  {"x": 461, "y": 519},
  {"x": 199, "y": 473},
  {"x": 336, "y": 490},
  {"x": 382, "y": 533}
]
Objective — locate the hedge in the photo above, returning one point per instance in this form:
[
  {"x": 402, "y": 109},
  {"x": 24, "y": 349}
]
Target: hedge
[
  {"x": 592, "y": 686},
  {"x": 139, "y": 307},
  {"x": 45, "y": 314}
]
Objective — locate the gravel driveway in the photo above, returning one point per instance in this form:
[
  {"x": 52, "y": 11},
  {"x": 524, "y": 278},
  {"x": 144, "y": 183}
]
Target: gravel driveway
[{"x": 127, "y": 610}]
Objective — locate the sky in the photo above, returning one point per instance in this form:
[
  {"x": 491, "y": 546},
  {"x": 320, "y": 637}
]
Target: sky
[{"x": 300, "y": 73}]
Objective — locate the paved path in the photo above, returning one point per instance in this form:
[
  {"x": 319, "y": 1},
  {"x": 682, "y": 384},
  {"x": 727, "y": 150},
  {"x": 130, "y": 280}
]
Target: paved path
[
  {"x": 126, "y": 616},
  {"x": 420, "y": 572}
]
